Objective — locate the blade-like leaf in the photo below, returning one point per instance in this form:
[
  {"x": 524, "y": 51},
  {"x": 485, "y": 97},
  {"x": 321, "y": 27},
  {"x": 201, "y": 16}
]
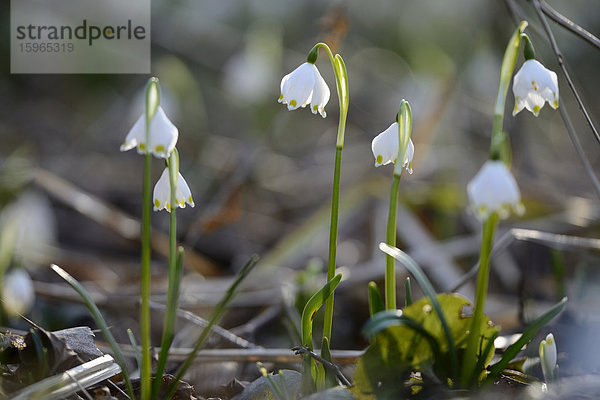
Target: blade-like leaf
[{"x": 375, "y": 301}]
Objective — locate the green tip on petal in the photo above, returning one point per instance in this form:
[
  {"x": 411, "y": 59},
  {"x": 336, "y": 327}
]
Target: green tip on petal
[
  {"x": 160, "y": 148},
  {"x": 536, "y": 110},
  {"x": 156, "y": 203},
  {"x": 293, "y": 103},
  {"x": 379, "y": 159}
]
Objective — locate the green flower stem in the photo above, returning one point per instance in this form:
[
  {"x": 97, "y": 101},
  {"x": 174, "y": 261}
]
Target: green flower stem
[
  {"x": 152, "y": 101},
  {"x": 470, "y": 357},
  {"x": 341, "y": 80},
  {"x": 145, "y": 279},
  {"x": 390, "y": 263},
  {"x": 175, "y": 261}
]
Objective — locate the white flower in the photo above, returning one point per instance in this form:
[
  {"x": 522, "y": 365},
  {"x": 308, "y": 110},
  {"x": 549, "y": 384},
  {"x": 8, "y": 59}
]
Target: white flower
[
  {"x": 533, "y": 85},
  {"x": 163, "y": 135},
  {"x": 305, "y": 85},
  {"x": 494, "y": 189},
  {"x": 385, "y": 148},
  {"x": 548, "y": 357},
  {"x": 18, "y": 294},
  {"x": 162, "y": 192}
]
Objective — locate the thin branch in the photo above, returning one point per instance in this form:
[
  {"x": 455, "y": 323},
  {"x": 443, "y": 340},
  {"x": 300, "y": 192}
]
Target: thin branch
[
  {"x": 559, "y": 57},
  {"x": 569, "y": 25},
  {"x": 327, "y": 364},
  {"x": 579, "y": 150}
]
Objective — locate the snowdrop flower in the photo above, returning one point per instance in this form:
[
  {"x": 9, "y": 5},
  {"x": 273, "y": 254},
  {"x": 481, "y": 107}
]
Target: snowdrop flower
[
  {"x": 385, "y": 148},
  {"x": 494, "y": 189},
  {"x": 533, "y": 85},
  {"x": 548, "y": 357},
  {"x": 163, "y": 136},
  {"x": 18, "y": 294},
  {"x": 305, "y": 85},
  {"x": 162, "y": 192}
]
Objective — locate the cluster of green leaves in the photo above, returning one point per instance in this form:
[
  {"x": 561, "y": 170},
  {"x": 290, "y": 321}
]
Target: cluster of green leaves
[
  {"x": 413, "y": 351},
  {"x": 413, "y": 340}
]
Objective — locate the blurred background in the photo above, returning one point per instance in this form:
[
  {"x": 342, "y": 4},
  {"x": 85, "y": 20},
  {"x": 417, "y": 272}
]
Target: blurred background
[{"x": 261, "y": 175}]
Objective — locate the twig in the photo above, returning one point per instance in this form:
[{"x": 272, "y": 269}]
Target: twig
[
  {"x": 216, "y": 329},
  {"x": 577, "y": 145},
  {"x": 559, "y": 57},
  {"x": 328, "y": 364},
  {"x": 532, "y": 235},
  {"x": 569, "y": 25}
]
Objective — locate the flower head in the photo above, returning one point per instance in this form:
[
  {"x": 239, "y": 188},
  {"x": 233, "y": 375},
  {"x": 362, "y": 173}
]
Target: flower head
[
  {"x": 533, "y": 85},
  {"x": 163, "y": 135},
  {"x": 18, "y": 294},
  {"x": 305, "y": 85},
  {"x": 548, "y": 357},
  {"x": 385, "y": 148},
  {"x": 494, "y": 189},
  {"x": 162, "y": 192}
]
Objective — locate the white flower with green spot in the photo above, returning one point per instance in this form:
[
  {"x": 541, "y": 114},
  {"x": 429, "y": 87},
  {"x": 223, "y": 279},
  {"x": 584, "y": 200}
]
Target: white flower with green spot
[
  {"x": 385, "y": 148},
  {"x": 494, "y": 189},
  {"x": 162, "y": 192},
  {"x": 163, "y": 136},
  {"x": 305, "y": 85},
  {"x": 533, "y": 85}
]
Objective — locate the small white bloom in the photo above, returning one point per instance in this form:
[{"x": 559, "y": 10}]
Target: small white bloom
[
  {"x": 548, "y": 357},
  {"x": 494, "y": 189},
  {"x": 305, "y": 85},
  {"x": 162, "y": 192},
  {"x": 533, "y": 85},
  {"x": 385, "y": 148},
  {"x": 18, "y": 294},
  {"x": 163, "y": 135}
]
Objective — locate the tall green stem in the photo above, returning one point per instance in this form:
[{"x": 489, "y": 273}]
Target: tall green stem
[
  {"x": 341, "y": 80},
  {"x": 470, "y": 357},
  {"x": 145, "y": 279},
  {"x": 152, "y": 102},
  {"x": 390, "y": 263},
  {"x": 175, "y": 260}
]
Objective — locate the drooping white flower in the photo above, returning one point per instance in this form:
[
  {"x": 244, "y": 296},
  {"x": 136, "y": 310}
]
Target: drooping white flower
[
  {"x": 163, "y": 135},
  {"x": 18, "y": 294},
  {"x": 548, "y": 357},
  {"x": 494, "y": 189},
  {"x": 533, "y": 85},
  {"x": 385, "y": 148},
  {"x": 162, "y": 192},
  {"x": 305, "y": 85}
]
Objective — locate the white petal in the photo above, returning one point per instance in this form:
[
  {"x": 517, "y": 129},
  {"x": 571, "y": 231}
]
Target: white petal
[
  {"x": 297, "y": 89},
  {"x": 385, "y": 146},
  {"x": 494, "y": 189},
  {"x": 320, "y": 95},
  {"x": 163, "y": 135},
  {"x": 161, "y": 197},
  {"x": 184, "y": 194},
  {"x": 135, "y": 134},
  {"x": 162, "y": 192},
  {"x": 18, "y": 294},
  {"x": 410, "y": 152}
]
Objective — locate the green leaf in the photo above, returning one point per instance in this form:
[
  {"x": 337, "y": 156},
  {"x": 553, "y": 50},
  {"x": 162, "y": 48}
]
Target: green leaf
[
  {"x": 375, "y": 300},
  {"x": 313, "y": 305},
  {"x": 525, "y": 338}
]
